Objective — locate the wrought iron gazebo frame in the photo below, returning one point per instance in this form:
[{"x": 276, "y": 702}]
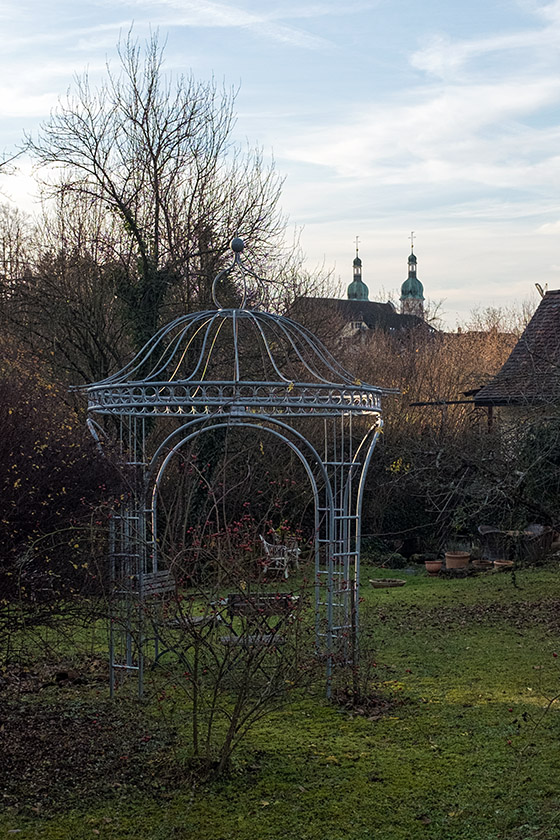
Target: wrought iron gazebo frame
[{"x": 168, "y": 379}]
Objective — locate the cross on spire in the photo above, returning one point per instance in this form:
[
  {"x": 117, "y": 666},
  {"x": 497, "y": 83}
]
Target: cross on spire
[
  {"x": 357, "y": 241},
  {"x": 411, "y": 237}
]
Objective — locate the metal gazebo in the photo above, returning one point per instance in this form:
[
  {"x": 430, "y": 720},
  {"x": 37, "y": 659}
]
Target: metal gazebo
[{"x": 239, "y": 367}]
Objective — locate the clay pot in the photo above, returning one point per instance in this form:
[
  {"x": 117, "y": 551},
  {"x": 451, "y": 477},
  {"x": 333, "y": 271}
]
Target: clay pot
[
  {"x": 457, "y": 559},
  {"x": 433, "y": 567},
  {"x": 503, "y": 565},
  {"x": 482, "y": 565}
]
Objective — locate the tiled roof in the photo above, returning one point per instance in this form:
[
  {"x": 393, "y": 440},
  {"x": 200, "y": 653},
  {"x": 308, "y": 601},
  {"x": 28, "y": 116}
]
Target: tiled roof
[
  {"x": 531, "y": 374},
  {"x": 372, "y": 313}
]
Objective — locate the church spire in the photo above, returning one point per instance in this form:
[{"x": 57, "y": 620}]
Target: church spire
[
  {"x": 412, "y": 290},
  {"x": 357, "y": 290}
]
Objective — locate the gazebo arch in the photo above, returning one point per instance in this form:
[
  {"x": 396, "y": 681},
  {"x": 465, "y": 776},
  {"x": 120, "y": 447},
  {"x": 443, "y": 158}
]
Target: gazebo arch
[{"x": 241, "y": 368}]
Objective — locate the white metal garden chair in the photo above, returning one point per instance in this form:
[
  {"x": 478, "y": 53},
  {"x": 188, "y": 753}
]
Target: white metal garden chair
[{"x": 279, "y": 557}]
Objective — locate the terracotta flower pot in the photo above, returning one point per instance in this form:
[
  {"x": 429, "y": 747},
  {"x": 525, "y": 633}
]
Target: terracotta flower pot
[
  {"x": 457, "y": 559},
  {"x": 433, "y": 567},
  {"x": 482, "y": 565},
  {"x": 503, "y": 565}
]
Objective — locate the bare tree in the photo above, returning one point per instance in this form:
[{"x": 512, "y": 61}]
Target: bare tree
[
  {"x": 59, "y": 287},
  {"x": 157, "y": 155},
  {"x": 497, "y": 319},
  {"x": 15, "y": 246}
]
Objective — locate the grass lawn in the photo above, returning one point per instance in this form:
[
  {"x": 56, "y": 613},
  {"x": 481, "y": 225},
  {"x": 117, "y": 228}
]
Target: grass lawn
[{"x": 463, "y": 745}]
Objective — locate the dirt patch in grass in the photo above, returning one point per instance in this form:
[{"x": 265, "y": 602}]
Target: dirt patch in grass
[
  {"x": 372, "y": 706},
  {"x": 20, "y": 678},
  {"x": 56, "y": 756},
  {"x": 519, "y": 615},
  {"x": 61, "y": 745}
]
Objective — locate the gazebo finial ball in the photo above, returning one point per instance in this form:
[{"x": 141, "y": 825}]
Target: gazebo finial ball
[{"x": 237, "y": 245}]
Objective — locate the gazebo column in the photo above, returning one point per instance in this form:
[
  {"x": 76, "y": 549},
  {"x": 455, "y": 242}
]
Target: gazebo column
[
  {"x": 336, "y": 600},
  {"x": 127, "y": 558}
]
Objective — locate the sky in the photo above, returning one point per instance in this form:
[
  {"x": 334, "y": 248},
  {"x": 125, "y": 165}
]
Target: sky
[{"x": 384, "y": 116}]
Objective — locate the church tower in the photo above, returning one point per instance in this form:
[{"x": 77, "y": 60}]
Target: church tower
[
  {"x": 357, "y": 290},
  {"x": 412, "y": 290}
]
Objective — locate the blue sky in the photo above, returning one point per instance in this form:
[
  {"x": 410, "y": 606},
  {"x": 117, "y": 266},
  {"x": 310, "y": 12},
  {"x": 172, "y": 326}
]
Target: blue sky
[{"x": 385, "y": 116}]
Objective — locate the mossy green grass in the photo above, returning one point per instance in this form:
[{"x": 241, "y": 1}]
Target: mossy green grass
[{"x": 466, "y": 749}]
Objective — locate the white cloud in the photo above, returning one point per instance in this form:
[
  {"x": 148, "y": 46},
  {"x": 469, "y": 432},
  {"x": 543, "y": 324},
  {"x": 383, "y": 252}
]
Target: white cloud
[
  {"x": 548, "y": 11},
  {"x": 67, "y": 38},
  {"x": 20, "y": 189},
  {"x": 451, "y": 134},
  {"x": 443, "y": 57},
  {"x": 530, "y": 49},
  {"x": 550, "y": 228},
  {"x": 18, "y": 102},
  {"x": 265, "y": 23}
]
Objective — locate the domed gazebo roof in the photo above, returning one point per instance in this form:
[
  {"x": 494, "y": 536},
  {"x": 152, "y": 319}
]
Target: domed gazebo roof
[{"x": 233, "y": 361}]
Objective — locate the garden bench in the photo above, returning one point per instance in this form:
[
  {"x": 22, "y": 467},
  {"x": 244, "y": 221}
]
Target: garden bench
[
  {"x": 161, "y": 588},
  {"x": 256, "y": 613},
  {"x": 156, "y": 584}
]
